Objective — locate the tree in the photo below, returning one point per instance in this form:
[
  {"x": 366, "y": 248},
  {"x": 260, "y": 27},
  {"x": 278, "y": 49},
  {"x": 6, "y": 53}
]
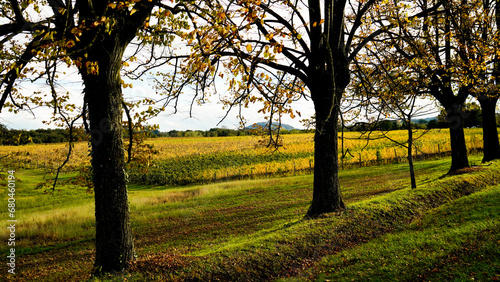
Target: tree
[
  {"x": 473, "y": 26},
  {"x": 472, "y": 115},
  {"x": 277, "y": 52},
  {"x": 433, "y": 48},
  {"x": 91, "y": 36},
  {"x": 454, "y": 48},
  {"x": 386, "y": 87},
  {"x": 487, "y": 79}
]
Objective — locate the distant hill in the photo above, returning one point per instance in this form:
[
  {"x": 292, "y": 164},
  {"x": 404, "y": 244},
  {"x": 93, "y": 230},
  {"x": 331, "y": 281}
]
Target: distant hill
[
  {"x": 431, "y": 118},
  {"x": 264, "y": 124},
  {"x": 425, "y": 120}
]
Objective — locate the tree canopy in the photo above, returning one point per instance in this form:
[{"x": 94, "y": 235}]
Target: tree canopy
[{"x": 41, "y": 41}]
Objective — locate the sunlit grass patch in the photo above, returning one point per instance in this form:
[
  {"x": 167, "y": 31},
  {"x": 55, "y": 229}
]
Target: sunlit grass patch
[
  {"x": 58, "y": 223},
  {"x": 46, "y": 217},
  {"x": 222, "y": 214},
  {"x": 455, "y": 241}
]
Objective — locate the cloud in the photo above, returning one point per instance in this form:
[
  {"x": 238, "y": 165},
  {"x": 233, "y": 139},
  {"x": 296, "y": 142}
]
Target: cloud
[{"x": 23, "y": 120}]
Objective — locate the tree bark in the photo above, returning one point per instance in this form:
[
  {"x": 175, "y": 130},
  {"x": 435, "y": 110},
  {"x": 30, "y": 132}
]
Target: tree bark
[
  {"x": 103, "y": 95},
  {"x": 410, "y": 155},
  {"x": 326, "y": 192},
  {"x": 491, "y": 143},
  {"x": 455, "y": 115},
  {"x": 455, "y": 119}
]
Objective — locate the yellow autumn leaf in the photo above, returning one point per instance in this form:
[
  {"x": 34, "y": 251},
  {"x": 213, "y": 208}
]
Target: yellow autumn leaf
[
  {"x": 70, "y": 44},
  {"x": 249, "y": 47}
]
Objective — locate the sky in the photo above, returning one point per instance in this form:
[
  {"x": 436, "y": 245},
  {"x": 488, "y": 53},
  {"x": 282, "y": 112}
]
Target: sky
[{"x": 201, "y": 117}]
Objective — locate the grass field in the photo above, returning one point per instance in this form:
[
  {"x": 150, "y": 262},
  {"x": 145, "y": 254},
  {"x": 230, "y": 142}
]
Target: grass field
[{"x": 253, "y": 230}]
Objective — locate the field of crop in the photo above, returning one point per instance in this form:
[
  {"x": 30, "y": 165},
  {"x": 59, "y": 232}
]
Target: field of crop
[{"x": 181, "y": 161}]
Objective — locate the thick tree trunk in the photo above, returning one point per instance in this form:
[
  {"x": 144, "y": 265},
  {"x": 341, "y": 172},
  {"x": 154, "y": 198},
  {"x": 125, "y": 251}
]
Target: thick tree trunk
[
  {"x": 455, "y": 119},
  {"x": 328, "y": 76},
  {"x": 490, "y": 132},
  {"x": 114, "y": 239},
  {"x": 326, "y": 192}
]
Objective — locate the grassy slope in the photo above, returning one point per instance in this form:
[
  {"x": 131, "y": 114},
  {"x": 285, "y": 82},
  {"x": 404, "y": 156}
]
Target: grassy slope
[
  {"x": 458, "y": 240},
  {"x": 253, "y": 230}
]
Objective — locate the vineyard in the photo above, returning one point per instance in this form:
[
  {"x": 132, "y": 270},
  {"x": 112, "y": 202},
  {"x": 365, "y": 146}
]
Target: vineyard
[{"x": 181, "y": 161}]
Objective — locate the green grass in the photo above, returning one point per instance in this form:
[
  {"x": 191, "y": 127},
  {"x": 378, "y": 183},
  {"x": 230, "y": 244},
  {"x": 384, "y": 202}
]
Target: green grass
[
  {"x": 456, "y": 241},
  {"x": 254, "y": 229},
  {"x": 45, "y": 217}
]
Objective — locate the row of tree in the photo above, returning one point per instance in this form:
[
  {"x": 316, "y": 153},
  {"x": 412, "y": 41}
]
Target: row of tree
[
  {"x": 20, "y": 137},
  {"x": 448, "y": 53},
  {"x": 272, "y": 52},
  {"x": 472, "y": 115},
  {"x": 222, "y": 132}
]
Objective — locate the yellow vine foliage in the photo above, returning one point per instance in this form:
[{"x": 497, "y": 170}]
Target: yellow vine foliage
[{"x": 298, "y": 148}]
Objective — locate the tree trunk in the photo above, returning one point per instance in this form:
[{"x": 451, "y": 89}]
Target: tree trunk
[
  {"x": 103, "y": 95},
  {"x": 455, "y": 117},
  {"x": 326, "y": 188},
  {"x": 490, "y": 132},
  {"x": 328, "y": 76},
  {"x": 410, "y": 156}
]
